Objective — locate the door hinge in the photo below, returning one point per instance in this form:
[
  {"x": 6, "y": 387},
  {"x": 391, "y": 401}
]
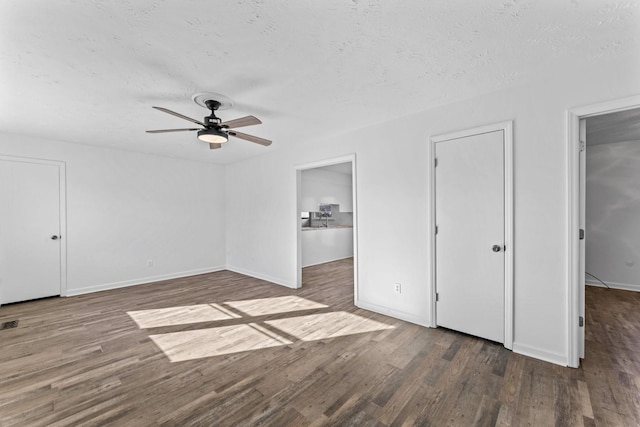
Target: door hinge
[
  {"x": 437, "y": 297},
  {"x": 436, "y": 229},
  {"x": 582, "y": 136},
  {"x": 581, "y": 234},
  {"x": 436, "y": 162},
  {"x": 581, "y": 321}
]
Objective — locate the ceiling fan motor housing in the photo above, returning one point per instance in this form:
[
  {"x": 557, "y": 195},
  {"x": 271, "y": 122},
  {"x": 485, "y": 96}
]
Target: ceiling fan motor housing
[{"x": 211, "y": 121}]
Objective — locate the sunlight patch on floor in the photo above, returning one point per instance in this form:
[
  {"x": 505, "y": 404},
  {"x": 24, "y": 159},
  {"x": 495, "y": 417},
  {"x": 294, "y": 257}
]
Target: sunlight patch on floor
[
  {"x": 327, "y": 325},
  {"x": 247, "y": 336},
  {"x": 264, "y": 306},
  {"x": 188, "y": 345},
  {"x": 171, "y": 316}
]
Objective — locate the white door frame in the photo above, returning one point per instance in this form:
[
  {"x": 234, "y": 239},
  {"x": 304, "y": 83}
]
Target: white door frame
[
  {"x": 507, "y": 128},
  {"x": 575, "y": 284},
  {"x": 62, "y": 185},
  {"x": 321, "y": 163}
]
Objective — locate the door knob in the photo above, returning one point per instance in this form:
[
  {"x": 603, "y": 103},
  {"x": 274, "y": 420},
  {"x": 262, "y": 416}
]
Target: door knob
[
  {"x": 54, "y": 237},
  {"x": 497, "y": 248}
]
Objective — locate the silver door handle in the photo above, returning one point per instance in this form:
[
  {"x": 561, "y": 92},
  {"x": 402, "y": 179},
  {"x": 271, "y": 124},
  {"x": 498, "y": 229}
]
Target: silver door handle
[{"x": 496, "y": 248}]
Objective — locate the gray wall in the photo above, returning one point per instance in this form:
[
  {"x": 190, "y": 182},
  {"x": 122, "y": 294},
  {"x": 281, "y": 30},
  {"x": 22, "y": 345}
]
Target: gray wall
[{"x": 613, "y": 214}]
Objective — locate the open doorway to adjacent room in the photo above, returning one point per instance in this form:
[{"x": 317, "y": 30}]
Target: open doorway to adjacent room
[
  {"x": 612, "y": 200},
  {"x": 327, "y": 218},
  {"x": 605, "y": 226}
]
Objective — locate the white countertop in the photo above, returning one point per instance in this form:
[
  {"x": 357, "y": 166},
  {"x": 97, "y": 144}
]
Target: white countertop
[{"x": 331, "y": 227}]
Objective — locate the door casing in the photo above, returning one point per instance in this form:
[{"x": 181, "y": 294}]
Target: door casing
[
  {"x": 507, "y": 128},
  {"x": 62, "y": 176},
  {"x": 354, "y": 194},
  {"x": 575, "y": 283}
]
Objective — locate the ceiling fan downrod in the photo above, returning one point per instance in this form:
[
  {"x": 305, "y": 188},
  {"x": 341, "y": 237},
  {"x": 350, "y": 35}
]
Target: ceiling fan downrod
[{"x": 212, "y": 119}]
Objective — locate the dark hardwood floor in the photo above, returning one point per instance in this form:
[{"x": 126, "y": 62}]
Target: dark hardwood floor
[{"x": 295, "y": 358}]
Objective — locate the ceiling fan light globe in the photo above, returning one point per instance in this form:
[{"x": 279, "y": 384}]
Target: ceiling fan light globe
[{"x": 212, "y": 136}]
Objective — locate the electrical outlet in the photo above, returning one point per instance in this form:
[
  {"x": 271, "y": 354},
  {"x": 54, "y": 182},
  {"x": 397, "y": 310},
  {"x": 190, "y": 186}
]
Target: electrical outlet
[
  {"x": 397, "y": 287},
  {"x": 149, "y": 263}
]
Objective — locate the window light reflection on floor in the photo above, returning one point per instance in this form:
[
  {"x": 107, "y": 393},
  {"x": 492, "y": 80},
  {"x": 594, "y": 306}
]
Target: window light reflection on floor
[
  {"x": 188, "y": 345},
  {"x": 247, "y": 334},
  {"x": 172, "y": 316},
  {"x": 327, "y": 325},
  {"x": 197, "y": 344},
  {"x": 264, "y": 306}
]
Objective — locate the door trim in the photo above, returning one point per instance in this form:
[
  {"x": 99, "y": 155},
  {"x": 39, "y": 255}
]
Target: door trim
[
  {"x": 507, "y": 128},
  {"x": 62, "y": 185},
  {"x": 574, "y": 285},
  {"x": 318, "y": 164}
]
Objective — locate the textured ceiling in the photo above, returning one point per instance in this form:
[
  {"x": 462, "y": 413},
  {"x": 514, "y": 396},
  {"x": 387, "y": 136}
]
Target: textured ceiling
[{"x": 89, "y": 71}]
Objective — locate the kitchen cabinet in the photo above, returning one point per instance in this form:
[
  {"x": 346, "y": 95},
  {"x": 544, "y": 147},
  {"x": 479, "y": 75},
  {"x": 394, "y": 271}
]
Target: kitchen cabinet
[{"x": 320, "y": 245}]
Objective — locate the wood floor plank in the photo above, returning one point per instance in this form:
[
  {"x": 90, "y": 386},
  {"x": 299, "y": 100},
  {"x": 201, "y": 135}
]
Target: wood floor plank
[{"x": 85, "y": 361}]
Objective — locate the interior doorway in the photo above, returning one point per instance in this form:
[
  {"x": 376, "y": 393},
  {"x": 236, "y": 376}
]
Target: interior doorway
[
  {"x": 607, "y": 127},
  {"x": 326, "y": 212},
  {"x": 612, "y": 200}
]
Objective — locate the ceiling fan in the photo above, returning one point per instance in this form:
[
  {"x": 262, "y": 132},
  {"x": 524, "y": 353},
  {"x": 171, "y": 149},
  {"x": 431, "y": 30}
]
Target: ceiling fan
[{"x": 214, "y": 130}]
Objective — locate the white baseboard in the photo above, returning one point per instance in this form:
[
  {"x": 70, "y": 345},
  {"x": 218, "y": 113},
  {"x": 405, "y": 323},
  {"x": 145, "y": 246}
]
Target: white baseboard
[
  {"x": 614, "y": 285},
  {"x": 326, "y": 261},
  {"x": 408, "y": 317},
  {"x": 536, "y": 353},
  {"x": 261, "y": 277},
  {"x": 141, "y": 281}
]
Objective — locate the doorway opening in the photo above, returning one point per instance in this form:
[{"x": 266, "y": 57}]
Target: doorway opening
[
  {"x": 602, "y": 141},
  {"x": 326, "y": 214}
]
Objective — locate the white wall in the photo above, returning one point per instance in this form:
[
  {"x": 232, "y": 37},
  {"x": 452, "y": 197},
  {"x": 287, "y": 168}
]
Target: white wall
[
  {"x": 324, "y": 186},
  {"x": 393, "y": 244},
  {"x": 124, "y": 208},
  {"x": 613, "y": 214}
]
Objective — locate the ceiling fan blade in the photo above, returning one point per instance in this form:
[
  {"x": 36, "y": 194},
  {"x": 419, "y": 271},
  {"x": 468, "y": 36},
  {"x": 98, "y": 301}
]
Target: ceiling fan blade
[
  {"x": 173, "y": 113},
  {"x": 170, "y": 130},
  {"x": 213, "y": 145},
  {"x": 243, "y": 121},
  {"x": 251, "y": 138}
]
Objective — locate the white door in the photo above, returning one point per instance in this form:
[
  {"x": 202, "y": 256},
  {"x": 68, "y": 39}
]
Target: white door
[
  {"x": 29, "y": 231},
  {"x": 583, "y": 210},
  {"x": 470, "y": 216}
]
